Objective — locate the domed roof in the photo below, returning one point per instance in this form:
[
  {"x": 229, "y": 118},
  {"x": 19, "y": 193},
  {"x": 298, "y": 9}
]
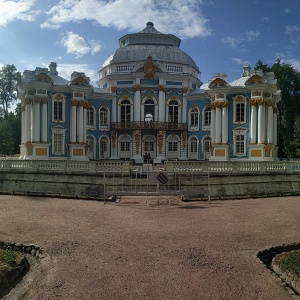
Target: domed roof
[{"x": 149, "y": 42}]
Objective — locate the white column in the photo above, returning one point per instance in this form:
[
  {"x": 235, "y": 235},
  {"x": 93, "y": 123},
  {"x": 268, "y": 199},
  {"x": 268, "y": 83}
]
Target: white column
[
  {"x": 23, "y": 133},
  {"x": 162, "y": 102},
  {"x": 270, "y": 124},
  {"x": 73, "y": 121},
  {"x": 225, "y": 124},
  {"x": 184, "y": 112},
  {"x": 80, "y": 123},
  {"x": 37, "y": 120},
  {"x": 27, "y": 122},
  {"x": 44, "y": 121},
  {"x": 213, "y": 125},
  {"x": 137, "y": 101},
  {"x": 253, "y": 122},
  {"x": 261, "y": 124},
  {"x": 218, "y": 125},
  {"x": 84, "y": 122},
  {"x": 32, "y": 122},
  {"x": 114, "y": 109},
  {"x": 275, "y": 126}
]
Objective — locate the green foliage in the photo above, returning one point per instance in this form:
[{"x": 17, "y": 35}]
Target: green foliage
[
  {"x": 291, "y": 262},
  {"x": 8, "y": 257},
  {"x": 288, "y": 80},
  {"x": 6, "y": 138},
  {"x": 9, "y": 80}
]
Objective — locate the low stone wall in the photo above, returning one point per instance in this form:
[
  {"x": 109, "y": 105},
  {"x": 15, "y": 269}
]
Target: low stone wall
[
  {"x": 19, "y": 270},
  {"x": 93, "y": 186}
]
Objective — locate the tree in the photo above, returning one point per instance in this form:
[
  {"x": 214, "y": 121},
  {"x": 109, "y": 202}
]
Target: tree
[
  {"x": 9, "y": 80},
  {"x": 6, "y": 138},
  {"x": 288, "y": 80}
]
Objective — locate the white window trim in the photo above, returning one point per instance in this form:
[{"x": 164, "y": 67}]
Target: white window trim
[
  {"x": 63, "y": 100},
  {"x": 205, "y": 127},
  {"x": 179, "y": 110},
  {"x": 193, "y": 127},
  {"x": 235, "y": 109},
  {"x": 235, "y": 134},
  {"x": 107, "y": 126},
  {"x": 91, "y": 126},
  {"x": 119, "y": 108},
  {"x": 59, "y": 130}
]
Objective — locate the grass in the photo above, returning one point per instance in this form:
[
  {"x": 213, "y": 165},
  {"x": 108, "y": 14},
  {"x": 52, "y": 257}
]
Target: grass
[
  {"x": 291, "y": 262},
  {"x": 8, "y": 257}
]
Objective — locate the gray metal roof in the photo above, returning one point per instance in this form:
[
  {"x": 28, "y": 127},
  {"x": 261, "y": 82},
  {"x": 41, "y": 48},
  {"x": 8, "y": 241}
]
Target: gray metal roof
[{"x": 138, "y": 46}]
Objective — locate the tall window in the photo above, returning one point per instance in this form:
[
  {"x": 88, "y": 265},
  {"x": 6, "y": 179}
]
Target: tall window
[
  {"x": 172, "y": 146},
  {"x": 240, "y": 112},
  {"x": 149, "y": 110},
  {"x": 207, "y": 117},
  {"x": 240, "y": 144},
  {"x": 194, "y": 145},
  {"x": 173, "y": 112},
  {"x": 90, "y": 116},
  {"x": 125, "y": 111},
  {"x": 125, "y": 146},
  {"x": 58, "y": 110},
  {"x": 194, "y": 117},
  {"x": 103, "y": 116},
  {"x": 58, "y": 140},
  {"x": 239, "y": 109}
]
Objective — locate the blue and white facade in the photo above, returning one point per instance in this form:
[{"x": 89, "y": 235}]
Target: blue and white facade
[{"x": 149, "y": 100}]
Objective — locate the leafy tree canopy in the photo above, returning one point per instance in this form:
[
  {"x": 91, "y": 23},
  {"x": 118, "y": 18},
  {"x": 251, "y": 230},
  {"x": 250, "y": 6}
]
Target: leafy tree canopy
[{"x": 9, "y": 80}]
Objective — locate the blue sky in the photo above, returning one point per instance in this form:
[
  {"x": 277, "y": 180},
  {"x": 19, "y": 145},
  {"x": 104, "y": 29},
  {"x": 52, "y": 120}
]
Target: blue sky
[{"x": 79, "y": 35}]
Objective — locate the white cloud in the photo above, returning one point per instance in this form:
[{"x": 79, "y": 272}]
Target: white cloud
[
  {"x": 181, "y": 17},
  {"x": 287, "y": 10},
  {"x": 77, "y": 45},
  {"x": 65, "y": 71},
  {"x": 294, "y": 62},
  {"x": 17, "y": 10},
  {"x": 240, "y": 61},
  {"x": 252, "y": 35},
  {"x": 265, "y": 19},
  {"x": 290, "y": 29},
  {"x": 233, "y": 42}
]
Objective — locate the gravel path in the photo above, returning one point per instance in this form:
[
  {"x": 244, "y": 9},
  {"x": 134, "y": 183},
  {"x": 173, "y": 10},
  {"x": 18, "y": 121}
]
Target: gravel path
[{"x": 127, "y": 250}]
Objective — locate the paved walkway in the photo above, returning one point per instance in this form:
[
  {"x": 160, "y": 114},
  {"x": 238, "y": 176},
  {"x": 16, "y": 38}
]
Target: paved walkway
[{"x": 126, "y": 250}]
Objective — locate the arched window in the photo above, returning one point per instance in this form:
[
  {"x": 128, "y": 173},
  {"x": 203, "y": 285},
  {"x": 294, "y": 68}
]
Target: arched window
[
  {"x": 149, "y": 110},
  {"x": 125, "y": 111},
  {"x": 207, "y": 117},
  {"x": 239, "y": 113},
  {"x": 103, "y": 147},
  {"x": 90, "y": 117},
  {"x": 194, "y": 117},
  {"x": 173, "y": 112},
  {"x": 194, "y": 145},
  {"x": 103, "y": 116}
]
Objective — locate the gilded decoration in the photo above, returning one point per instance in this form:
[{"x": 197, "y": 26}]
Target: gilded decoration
[
  {"x": 137, "y": 135},
  {"x": 255, "y": 79},
  {"x": 239, "y": 98},
  {"x": 267, "y": 94},
  {"x": 74, "y": 102},
  {"x": 185, "y": 90},
  {"x": 160, "y": 138},
  {"x": 183, "y": 140},
  {"x": 29, "y": 147},
  {"x": 270, "y": 102},
  {"x": 256, "y": 93},
  {"x": 113, "y": 89},
  {"x": 41, "y": 91},
  {"x": 37, "y": 99},
  {"x": 45, "y": 99},
  {"x": 161, "y": 88},
  {"x": 23, "y": 108},
  {"x": 113, "y": 138},
  {"x": 79, "y": 95},
  {"x": 268, "y": 149},
  {"x": 260, "y": 101},
  {"x": 59, "y": 97},
  {"x": 43, "y": 77},
  {"x": 137, "y": 88},
  {"x": 220, "y": 96},
  {"x": 28, "y": 100},
  {"x": 194, "y": 105},
  {"x": 275, "y": 110},
  {"x": 218, "y": 82},
  {"x": 211, "y": 148},
  {"x": 149, "y": 68},
  {"x": 81, "y": 81},
  {"x": 253, "y": 102}
]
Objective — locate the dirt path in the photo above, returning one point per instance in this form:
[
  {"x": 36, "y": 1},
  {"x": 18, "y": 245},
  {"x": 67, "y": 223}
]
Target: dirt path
[{"x": 130, "y": 251}]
